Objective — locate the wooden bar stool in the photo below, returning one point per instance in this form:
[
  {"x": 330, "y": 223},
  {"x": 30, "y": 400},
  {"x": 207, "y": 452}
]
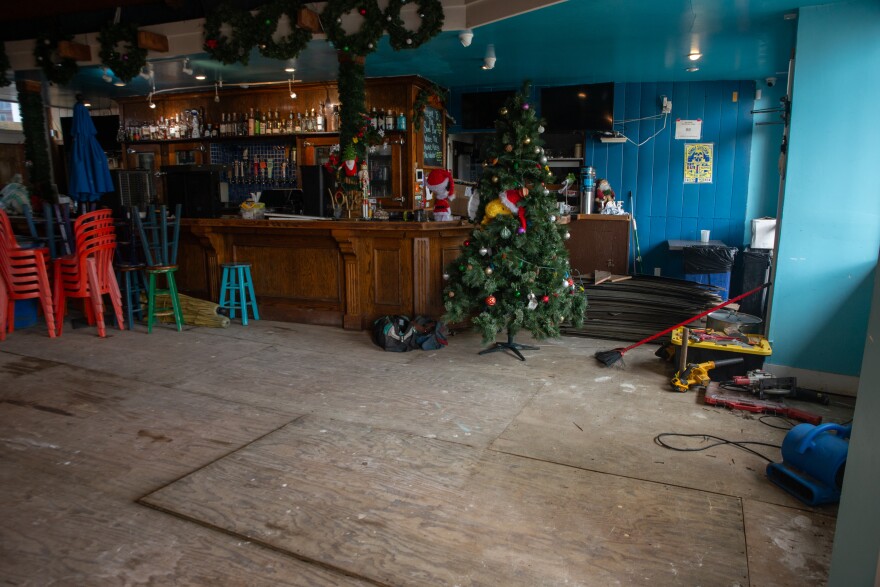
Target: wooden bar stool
[
  {"x": 130, "y": 268},
  {"x": 237, "y": 291},
  {"x": 160, "y": 254}
]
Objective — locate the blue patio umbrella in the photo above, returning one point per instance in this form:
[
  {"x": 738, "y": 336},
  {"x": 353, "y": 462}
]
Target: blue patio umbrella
[{"x": 89, "y": 173}]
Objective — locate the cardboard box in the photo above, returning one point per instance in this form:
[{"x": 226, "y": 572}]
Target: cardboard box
[
  {"x": 459, "y": 206},
  {"x": 763, "y": 233}
]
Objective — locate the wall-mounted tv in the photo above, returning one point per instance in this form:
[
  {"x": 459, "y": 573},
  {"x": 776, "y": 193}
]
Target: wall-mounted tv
[
  {"x": 479, "y": 110},
  {"x": 584, "y": 107},
  {"x": 107, "y": 127}
]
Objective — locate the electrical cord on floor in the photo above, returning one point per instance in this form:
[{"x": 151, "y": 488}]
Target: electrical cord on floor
[
  {"x": 789, "y": 423},
  {"x": 720, "y": 441}
]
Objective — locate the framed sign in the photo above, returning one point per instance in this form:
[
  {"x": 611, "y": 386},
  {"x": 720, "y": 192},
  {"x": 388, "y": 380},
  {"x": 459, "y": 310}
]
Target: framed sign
[
  {"x": 432, "y": 133},
  {"x": 699, "y": 160}
]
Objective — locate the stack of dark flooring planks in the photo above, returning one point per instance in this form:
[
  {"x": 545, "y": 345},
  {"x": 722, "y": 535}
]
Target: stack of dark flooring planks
[{"x": 636, "y": 308}]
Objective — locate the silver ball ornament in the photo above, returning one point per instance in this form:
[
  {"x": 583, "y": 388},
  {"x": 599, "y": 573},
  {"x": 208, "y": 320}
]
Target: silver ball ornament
[
  {"x": 484, "y": 251},
  {"x": 543, "y": 160},
  {"x": 489, "y": 271},
  {"x": 566, "y": 236},
  {"x": 552, "y": 218},
  {"x": 540, "y": 129},
  {"x": 445, "y": 277}
]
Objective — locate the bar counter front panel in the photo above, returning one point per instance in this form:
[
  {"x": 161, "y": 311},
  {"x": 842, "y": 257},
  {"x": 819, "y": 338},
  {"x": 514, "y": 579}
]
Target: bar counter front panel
[{"x": 338, "y": 273}]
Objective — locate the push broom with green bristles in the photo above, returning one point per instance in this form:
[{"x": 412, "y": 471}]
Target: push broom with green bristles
[{"x": 608, "y": 358}]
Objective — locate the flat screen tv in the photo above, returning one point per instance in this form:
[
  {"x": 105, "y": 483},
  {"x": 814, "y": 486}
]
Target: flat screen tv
[
  {"x": 107, "y": 127},
  {"x": 584, "y": 107},
  {"x": 479, "y": 110}
]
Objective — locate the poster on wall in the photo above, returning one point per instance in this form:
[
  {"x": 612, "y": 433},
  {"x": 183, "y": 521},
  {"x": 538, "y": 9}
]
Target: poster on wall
[{"x": 698, "y": 162}]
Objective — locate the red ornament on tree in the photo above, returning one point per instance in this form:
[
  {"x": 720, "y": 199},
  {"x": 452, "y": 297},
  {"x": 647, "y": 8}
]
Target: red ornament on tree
[
  {"x": 545, "y": 299},
  {"x": 490, "y": 301},
  {"x": 211, "y": 43}
]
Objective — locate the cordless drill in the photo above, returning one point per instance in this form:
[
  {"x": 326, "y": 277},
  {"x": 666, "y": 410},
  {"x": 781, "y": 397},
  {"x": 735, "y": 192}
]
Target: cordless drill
[{"x": 698, "y": 373}]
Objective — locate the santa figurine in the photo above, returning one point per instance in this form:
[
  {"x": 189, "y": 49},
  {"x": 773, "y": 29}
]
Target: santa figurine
[
  {"x": 441, "y": 185},
  {"x": 511, "y": 200}
]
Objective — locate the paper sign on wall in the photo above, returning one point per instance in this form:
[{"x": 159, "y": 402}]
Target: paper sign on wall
[
  {"x": 689, "y": 129},
  {"x": 698, "y": 162}
]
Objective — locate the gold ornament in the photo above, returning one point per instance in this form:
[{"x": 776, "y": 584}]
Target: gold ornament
[
  {"x": 508, "y": 148},
  {"x": 503, "y": 111},
  {"x": 451, "y": 294},
  {"x": 527, "y": 140},
  {"x": 494, "y": 179}
]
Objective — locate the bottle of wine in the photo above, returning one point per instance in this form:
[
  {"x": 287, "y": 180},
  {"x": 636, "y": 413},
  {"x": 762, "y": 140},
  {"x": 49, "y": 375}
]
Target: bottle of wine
[{"x": 389, "y": 120}]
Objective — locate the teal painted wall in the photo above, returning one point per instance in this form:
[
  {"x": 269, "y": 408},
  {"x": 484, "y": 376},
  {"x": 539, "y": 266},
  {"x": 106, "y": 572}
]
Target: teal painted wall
[
  {"x": 665, "y": 207},
  {"x": 830, "y": 217}
]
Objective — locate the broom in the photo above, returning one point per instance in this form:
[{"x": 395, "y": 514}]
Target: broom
[{"x": 608, "y": 358}]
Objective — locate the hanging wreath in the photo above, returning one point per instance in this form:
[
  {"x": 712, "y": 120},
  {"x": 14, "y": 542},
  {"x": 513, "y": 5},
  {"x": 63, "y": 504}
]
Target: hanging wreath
[
  {"x": 4, "y": 66},
  {"x": 287, "y": 47},
  {"x": 127, "y": 63},
  {"x": 431, "y": 13},
  {"x": 244, "y": 34},
  {"x": 362, "y": 42},
  {"x": 423, "y": 98},
  {"x": 45, "y": 49}
]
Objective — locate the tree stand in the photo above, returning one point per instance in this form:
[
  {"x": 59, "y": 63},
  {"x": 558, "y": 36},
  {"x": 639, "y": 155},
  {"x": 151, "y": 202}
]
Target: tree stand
[{"x": 514, "y": 347}]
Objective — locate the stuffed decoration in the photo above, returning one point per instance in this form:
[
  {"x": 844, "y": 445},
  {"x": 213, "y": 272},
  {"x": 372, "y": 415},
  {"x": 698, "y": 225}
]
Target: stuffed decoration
[
  {"x": 350, "y": 167},
  {"x": 507, "y": 204},
  {"x": 604, "y": 194},
  {"x": 440, "y": 184}
]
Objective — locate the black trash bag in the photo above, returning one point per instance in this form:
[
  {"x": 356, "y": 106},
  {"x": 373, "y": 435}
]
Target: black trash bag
[{"x": 709, "y": 259}]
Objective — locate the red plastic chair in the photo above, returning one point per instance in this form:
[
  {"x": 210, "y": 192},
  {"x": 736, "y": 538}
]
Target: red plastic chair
[
  {"x": 24, "y": 276},
  {"x": 88, "y": 273}
]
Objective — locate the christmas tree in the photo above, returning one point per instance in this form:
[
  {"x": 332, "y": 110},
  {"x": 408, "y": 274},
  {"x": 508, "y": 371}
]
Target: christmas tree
[{"x": 513, "y": 270}]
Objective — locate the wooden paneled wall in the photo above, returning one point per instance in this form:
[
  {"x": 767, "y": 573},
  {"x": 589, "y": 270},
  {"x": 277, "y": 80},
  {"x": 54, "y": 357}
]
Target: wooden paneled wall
[{"x": 665, "y": 207}]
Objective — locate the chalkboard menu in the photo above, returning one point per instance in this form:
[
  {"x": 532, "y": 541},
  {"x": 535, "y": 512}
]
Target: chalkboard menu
[{"x": 432, "y": 132}]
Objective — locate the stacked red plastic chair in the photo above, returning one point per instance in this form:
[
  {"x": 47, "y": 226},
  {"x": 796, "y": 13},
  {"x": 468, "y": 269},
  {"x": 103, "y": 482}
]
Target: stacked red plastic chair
[{"x": 23, "y": 276}]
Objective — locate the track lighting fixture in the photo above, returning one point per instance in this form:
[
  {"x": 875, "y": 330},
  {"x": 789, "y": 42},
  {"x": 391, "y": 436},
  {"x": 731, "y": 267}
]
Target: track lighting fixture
[
  {"x": 187, "y": 68},
  {"x": 694, "y": 55},
  {"x": 290, "y": 88},
  {"x": 489, "y": 59},
  {"x": 466, "y": 36},
  {"x": 147, "y": 72},
  {"x": 150, "y": 100},
  {"x": 201, "y": 76},
  {"x": 106, "y": 76}
]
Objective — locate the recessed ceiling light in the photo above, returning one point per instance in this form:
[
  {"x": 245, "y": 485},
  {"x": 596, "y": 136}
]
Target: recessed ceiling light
[
  {"x": 201, "y": 76},
  {"x": 289, "y": 69},
  {"x": 790, "y": 16},
  {"x": 692, "y": 68},
  {"x": 119, "y": 84},
  {"x": 87, "y": 104},
  {"x": 694, "y": 55}
]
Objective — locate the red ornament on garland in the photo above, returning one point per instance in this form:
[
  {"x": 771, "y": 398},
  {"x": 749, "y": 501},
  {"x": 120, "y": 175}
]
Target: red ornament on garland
[
  {"x": 363, "y": 11},
  {"x": 545, "y": 299},
  {"x": 211, "y": 43},
  {"x": 490, "y": 301}
]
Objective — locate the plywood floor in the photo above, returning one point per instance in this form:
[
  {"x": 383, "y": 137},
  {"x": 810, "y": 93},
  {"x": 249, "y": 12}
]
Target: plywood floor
[{"x": 283, "y": 454}]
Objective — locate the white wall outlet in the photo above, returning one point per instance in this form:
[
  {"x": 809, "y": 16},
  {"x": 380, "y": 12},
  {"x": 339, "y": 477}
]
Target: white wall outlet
[{"x": 656, "y": 272}]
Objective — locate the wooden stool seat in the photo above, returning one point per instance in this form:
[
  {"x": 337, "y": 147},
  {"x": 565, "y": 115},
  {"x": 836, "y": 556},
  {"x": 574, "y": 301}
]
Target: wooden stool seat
[{"x": 237, "y": 291}]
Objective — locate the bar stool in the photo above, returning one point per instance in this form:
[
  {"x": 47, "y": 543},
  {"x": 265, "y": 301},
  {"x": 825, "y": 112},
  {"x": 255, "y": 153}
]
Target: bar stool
[
  {"x": 160, "y": 253},
  {"x": 130, "y": 268},
  {"x": 237, "y": 283}
]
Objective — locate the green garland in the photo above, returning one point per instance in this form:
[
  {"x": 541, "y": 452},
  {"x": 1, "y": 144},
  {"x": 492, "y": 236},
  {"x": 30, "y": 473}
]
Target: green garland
[
  {"x": 352, "y": 97},
  {"x": 287, "y": 47},
  {"x": 4, "y": 66},
  {"x": 46, "y": 47},
  {"x": 125, "y": 64},
  {"x": 36, "y": 148},
  {"x": 362, "y": 42},
  {"x": 244, "y": 34},
  {"x": 431, "y": 13},
  {"x": 422, "y": 100}
]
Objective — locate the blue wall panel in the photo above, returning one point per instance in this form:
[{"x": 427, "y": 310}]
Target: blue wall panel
[{"x": 665, "y": 207}]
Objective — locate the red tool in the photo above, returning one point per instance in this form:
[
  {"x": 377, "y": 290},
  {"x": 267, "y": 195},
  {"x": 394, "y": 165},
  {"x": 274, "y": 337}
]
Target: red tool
[{"x": 744, "y": 400}]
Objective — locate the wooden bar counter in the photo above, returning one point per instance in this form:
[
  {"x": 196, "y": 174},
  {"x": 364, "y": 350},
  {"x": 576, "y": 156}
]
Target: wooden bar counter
[{"x": 332, "y": 272}]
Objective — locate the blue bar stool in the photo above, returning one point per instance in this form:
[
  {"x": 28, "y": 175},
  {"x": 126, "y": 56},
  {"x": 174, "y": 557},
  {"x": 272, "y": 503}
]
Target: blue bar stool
[{"x": 237, "y": 291}]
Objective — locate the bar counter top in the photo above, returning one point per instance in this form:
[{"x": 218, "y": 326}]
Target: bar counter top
[{"x": 333, "y": 272}]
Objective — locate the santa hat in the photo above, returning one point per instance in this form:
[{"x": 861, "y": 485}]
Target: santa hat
[
  {"x": 511, "y": 200},
  {"x": 438, "y": 176}
]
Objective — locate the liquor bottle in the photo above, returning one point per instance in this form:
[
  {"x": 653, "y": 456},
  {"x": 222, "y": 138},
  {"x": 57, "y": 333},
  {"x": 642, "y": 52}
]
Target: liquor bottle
[
  {"x": 336, "y": 118},
  {"x": 319, "y": 120},
  {"x": 264, "y": 126},
  {"x": 389, "y": 120},
  {"x": 251, "y": 124},
  {"x": 401, "y": 121},
  {"x": 381, "y": 119},
  {"x": 298, "y": 125},
  {"x": 374, "y": 118},
  {"x": 290, "y": 125},
  {"x": 279, "y": 125}
]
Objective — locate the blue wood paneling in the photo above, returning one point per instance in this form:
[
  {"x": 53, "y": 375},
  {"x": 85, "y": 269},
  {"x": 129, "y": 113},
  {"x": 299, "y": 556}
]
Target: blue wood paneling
[{"x": 666, "y": 208}]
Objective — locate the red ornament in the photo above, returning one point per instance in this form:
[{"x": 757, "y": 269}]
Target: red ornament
[
  {"x": 211, "y": 43},
  {"x": 467, "y": 243},
  {"x": 363, "y": 11},
  {"x": 545, "y": 299},
  {"x": 490, "y": 301}
]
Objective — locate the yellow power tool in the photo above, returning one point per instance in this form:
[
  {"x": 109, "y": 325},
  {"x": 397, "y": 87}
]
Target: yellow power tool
[{"x": 698, "y": 373}]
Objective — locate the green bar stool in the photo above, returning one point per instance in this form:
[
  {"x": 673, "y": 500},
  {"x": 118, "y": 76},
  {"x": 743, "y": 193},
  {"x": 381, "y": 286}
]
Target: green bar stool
[
  {"x": 237, "y": 291},
  {"x": 160, "y": 254}
]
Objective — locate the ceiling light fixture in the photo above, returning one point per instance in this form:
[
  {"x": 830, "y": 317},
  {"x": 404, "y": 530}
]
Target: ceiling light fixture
[
  {"x": 187, "y": 68},
  {"x": 201, "y": 76},
  {"x": 290, "y": 88},
  {"x": 147, "y": 72},
  {"x": 119, "y": 83},
  {"x": 106, "y": 76},
  {"x": 692, "y": 69},
  {"x": 290, "y": 66},
  {"x": 150, "y": 100},
  {"x": 694, "y": 55},
  {"x": 466, "y": 36},
  {"x": 87, "y": 104},
  {"x": 489, "y": 59}
]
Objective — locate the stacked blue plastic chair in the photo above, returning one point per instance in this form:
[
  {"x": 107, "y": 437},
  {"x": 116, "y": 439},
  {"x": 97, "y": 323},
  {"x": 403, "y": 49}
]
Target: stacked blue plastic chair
[{"x": 160, "y": 255}]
